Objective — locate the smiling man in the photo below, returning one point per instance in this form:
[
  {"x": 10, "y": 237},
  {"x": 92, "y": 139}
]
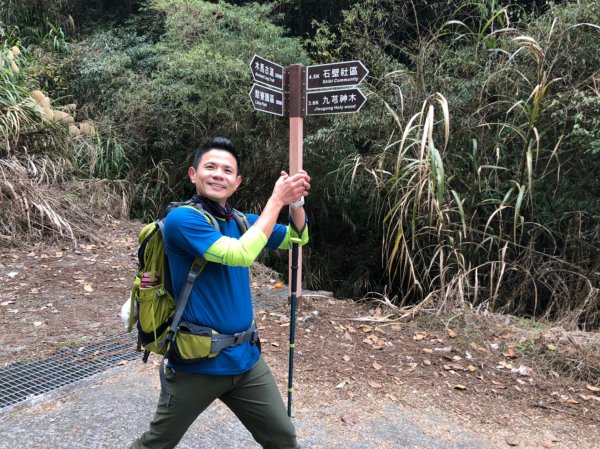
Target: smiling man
[{"x": 221, "y": 301}]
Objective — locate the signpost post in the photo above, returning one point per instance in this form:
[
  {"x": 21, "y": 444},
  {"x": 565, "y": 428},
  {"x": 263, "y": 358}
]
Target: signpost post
[
  {"x": 283, "y": 91},
  {"x": 295, "y": 76}
]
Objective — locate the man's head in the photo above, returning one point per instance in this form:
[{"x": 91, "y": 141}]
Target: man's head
[
  {"x": 216, "y": 170},
  {"x": 218, "y": 143}
]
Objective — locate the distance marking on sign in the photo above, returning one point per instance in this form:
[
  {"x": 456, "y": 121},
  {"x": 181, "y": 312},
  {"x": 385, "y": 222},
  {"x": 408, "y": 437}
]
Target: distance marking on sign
[
  {"x": 338, "y": 74},
  {"x": 339, "y": 101}
]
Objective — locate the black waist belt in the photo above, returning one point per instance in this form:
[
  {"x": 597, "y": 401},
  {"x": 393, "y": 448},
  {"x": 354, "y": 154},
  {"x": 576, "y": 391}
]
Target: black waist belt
[{"x": 222, "y": 341}]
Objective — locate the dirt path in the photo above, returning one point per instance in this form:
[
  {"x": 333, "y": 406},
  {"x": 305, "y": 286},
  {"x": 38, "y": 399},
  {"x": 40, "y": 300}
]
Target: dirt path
[{"x": 482, "y": 376}]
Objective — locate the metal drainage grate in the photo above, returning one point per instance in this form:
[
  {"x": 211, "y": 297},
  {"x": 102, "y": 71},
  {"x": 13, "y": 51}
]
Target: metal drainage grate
[{"x": 21, "y": 381}]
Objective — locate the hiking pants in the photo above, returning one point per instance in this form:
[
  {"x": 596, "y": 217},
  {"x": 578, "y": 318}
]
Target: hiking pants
[{"x": 253, "y": 397}]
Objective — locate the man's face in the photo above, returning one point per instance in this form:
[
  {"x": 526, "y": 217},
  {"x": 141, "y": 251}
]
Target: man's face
[{"x": 216, "y": 176}]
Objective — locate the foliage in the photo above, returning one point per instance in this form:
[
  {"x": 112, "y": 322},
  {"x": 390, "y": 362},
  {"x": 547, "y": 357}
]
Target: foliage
[
  {"x": 21, "y": 119},
  {"x": 299, "y": 17},
  {"x": 487, "y": 165},
  {"x": 31, "y": 13},
  {"x": 166, "y": 98},
  {"x": 28, "y": 20},
  {"x": 24, "y": 166},
  {"x": 469, "y": 178},
  {"x": 37, "y": 22},
  {"x": 36, "y": 149}
]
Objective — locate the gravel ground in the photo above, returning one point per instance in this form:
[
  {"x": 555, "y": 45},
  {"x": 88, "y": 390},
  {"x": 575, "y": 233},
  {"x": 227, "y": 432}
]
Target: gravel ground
[{"x": 110, "y": 409}]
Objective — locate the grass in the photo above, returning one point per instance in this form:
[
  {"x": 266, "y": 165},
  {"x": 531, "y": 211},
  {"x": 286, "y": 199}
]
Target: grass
[
  {"x": 526, "y": 347},
  {"x": 534, "y": 325},
  {"x": 39, "y": 194},
  {"x": 100, "y": 158},
  {"x": 41, "y": 201},
  {"x": 470, "y": 230},
  {"x": 71, "y": 343}
]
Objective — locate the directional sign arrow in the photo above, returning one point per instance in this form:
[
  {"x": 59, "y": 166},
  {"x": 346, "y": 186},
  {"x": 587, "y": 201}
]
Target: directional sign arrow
[
  {"x": 266, "y": 99},
  {"x": 338, "y": 74},
  {"x": 339, "y": 101},
  {"x": 267, "y": 72}
]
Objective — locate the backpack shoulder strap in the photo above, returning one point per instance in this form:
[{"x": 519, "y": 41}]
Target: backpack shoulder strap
[
  {"x": 196, "y": 206},
  {"x": 197, "y": 266},
  {"x": 241, "y": 220},
  {"x": 195, "y": 270},
  {"x": 209, "y": 217}
]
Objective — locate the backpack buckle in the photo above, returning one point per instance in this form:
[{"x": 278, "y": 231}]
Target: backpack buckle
[
  {"x": 238, "y": 338},
  {"x": 249, "y": 335}
]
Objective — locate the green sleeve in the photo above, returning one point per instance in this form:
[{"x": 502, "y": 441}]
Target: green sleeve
[
  {"x": 293, "y": 233},
  {"x": 240, "y": 252}
]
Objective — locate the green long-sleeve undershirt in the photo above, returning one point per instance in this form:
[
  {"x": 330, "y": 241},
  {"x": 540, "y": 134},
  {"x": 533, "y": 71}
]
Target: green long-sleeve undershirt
[{"x": 243, "y": 252}]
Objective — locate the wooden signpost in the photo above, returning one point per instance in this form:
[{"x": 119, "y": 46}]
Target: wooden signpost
[{"x": 296, "y": 91}]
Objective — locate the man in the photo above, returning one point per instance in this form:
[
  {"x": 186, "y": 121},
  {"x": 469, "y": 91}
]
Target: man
[{"x": 221, "y": 300}]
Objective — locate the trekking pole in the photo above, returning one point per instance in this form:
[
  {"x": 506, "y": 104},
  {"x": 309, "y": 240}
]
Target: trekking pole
[{"x": 294, "y": 286}]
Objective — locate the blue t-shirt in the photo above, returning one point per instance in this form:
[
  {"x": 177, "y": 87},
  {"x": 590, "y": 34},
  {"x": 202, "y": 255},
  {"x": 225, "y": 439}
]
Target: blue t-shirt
[{"x": 220, "y": 298}]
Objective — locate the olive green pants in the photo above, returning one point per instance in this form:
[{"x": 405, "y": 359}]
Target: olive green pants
[{"x": 252, "y": 396}]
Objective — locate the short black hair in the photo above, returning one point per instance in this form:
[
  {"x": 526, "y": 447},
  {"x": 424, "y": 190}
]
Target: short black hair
[{"x": 218, "y": 143}]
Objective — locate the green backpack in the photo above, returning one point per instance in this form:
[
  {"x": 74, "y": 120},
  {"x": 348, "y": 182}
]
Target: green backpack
[{"x": 153, "y": 306}]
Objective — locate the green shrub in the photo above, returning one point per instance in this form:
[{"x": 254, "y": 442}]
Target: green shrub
[{"x": 166, "y": 98}]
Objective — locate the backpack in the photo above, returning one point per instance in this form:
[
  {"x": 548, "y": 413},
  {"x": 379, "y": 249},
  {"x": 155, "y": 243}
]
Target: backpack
[{"x": 152, "y": 305}]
